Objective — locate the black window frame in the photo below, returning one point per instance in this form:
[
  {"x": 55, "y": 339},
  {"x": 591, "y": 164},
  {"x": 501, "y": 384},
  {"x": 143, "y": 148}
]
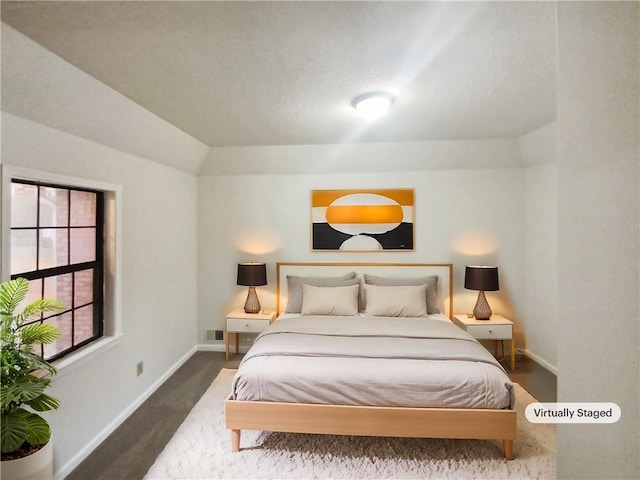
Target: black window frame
[{"x": 97, "y": 265}]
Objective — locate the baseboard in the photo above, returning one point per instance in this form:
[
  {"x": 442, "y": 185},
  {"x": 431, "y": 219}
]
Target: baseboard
[
  {"x": 66, "y": 469},
  {"x": 540, "y": 361}
]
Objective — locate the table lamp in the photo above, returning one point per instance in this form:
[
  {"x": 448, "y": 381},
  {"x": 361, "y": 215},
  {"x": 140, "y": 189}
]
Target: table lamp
[
  {"x": 484, "y": 279},
  {"x": 252, "y": 275}
]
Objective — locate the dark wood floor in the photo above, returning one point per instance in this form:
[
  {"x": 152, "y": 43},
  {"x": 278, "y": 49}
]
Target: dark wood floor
[
  {"x": 130, "y": 451},
  {"x": 536, "y": 380}
]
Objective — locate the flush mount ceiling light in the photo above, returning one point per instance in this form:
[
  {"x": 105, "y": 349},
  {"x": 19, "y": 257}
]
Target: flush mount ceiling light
[{"x": 373, "y": 105}]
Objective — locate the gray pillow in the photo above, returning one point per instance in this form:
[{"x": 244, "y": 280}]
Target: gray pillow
[
  {"x": 294, "y": 287},
  {"x": 431, "y": 281}
]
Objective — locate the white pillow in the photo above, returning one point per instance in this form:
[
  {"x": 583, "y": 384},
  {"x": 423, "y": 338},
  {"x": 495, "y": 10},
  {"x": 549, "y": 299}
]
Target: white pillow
[
  {"x": 395, "y": 301},
  {"x": 294, "y": 287},
  {"x": 431, "y": 281},
  {"x": 330, "y": 300}
]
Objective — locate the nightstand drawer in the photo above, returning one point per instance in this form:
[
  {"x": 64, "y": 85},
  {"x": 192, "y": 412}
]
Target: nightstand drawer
[
  {"x": 246, "y": 325},
  {"x": 497, "y": 332}
]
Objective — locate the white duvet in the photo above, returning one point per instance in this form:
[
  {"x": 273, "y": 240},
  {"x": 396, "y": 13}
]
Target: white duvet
[{"x": 381, "y": 361}]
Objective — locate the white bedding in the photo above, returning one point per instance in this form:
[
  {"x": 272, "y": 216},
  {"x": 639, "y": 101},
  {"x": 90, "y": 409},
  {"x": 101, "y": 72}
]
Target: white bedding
[{"x": 413, "y": 362}]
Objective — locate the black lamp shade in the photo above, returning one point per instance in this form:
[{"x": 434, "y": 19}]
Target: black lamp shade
[
  {"x": 481, "y": 278},
  {"x": 252, "y": 274}
]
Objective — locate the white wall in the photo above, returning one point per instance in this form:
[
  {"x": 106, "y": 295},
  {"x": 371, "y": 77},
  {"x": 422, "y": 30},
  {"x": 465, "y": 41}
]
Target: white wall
[
  {"x": 598, "y": 207},
  {"x": 539, "y": 315},
  {"x": 158, "y": 248},
  {"x": 362, "y": 157},
  {"x": 58, "y": 119},
  {"x": 158, "y": 257},
  {"x": 462, "y": 216}
]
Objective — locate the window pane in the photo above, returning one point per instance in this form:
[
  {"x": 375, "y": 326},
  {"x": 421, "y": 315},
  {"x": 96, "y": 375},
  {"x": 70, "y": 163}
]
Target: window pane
[
  {"x": 24, "y": 205},
  {"x": 83, "y": 324},
  {"x": 54, "y": 207},
  {"x": 83, "y": 287},
  {"x": 23, "y": 251},
  {"x": 83, "y": 209},
  {"x": 60, "y": 288},
  {"x": 63, "y": 322},
  {"x": 54, "y": 248},
  {"x": 83, "y": 245},
  {"x": 54, "y": 230}
]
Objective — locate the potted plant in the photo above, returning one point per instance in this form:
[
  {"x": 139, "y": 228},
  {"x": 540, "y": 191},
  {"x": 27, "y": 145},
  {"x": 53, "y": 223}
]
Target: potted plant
[{"x": 25, "y": 435}]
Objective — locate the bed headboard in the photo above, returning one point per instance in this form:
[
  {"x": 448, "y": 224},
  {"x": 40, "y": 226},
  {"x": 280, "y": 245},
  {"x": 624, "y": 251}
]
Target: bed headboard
[{"x": 444, "y": 271}]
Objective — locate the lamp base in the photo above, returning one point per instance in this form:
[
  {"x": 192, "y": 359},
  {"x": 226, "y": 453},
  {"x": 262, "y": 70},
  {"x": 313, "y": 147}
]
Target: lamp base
[
  {"x": 482, "y": 310},
  {"x": 252, "y": 305}
]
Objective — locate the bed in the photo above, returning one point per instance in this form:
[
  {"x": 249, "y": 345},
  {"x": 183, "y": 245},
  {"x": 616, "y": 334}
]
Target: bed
[{"x": 356, "y": 350}]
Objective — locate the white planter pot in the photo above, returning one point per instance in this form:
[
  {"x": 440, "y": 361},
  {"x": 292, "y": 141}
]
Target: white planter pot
[{"x": 38, "y": 466}]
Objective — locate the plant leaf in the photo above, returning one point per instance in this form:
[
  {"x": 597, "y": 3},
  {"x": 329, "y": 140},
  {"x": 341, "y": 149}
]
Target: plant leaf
[
  {"x": 34, "y": 309},
  {"x": 39, "y": 333},
  {"x": 38, "y": 430},
  {"x": 4, "y": 397},
  {"x": 11, "y": 294},
  {"x": 27, "y": 388},
  {"x": 14, "y": 431},
  {"x": 32, "y": 361},
  {"x": 43, "y": 403}
]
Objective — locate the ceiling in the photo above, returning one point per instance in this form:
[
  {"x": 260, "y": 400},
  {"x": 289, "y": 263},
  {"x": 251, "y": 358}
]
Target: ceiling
[{"x": 284, "y": 73}]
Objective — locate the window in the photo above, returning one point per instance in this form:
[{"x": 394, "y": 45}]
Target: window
[{"x": 57, "y": 243}]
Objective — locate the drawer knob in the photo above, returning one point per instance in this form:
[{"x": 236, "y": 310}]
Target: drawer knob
[
  {"x": 490, "y": 331},
  {"x": 246, "y": 325}
]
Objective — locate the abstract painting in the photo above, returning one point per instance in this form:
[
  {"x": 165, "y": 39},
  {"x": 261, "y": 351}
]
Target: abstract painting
[{"x": 364, "y": 220}]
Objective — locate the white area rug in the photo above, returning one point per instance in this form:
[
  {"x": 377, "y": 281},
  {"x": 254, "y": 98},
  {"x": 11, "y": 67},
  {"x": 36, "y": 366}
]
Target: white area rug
[{"x": 201, "y": 449}]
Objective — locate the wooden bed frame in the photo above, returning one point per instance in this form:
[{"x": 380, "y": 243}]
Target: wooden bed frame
[{"x": 483, "y": 424}]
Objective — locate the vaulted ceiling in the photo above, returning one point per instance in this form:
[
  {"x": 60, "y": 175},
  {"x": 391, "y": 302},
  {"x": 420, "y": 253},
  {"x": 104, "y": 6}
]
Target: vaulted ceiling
[{"x": 284, "y": 73}]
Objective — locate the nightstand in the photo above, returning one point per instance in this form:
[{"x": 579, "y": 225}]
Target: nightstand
[
  {"x": 496, "y": 328},
  {"x": 240, "y": 322}
]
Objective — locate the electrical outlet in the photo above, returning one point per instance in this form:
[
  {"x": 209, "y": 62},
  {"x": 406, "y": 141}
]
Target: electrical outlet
[
  {"x": 246, "y": 339},
  {"x": 139, "y": 368}
]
